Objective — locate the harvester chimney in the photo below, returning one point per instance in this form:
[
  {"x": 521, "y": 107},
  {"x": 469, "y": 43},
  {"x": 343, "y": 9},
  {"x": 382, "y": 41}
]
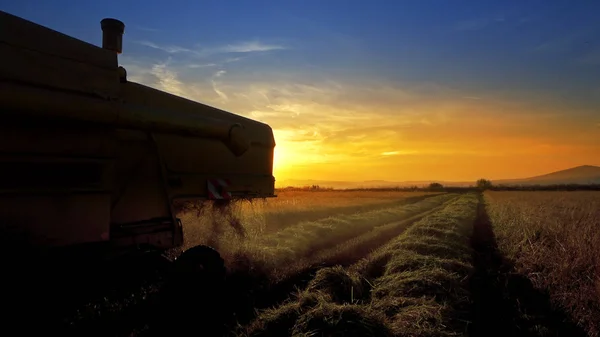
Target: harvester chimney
[{"x": 112, "y": 34}]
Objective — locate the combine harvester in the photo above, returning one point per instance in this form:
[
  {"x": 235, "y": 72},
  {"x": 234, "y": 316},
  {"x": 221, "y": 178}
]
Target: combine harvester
[{"x": 92, "y": 165}]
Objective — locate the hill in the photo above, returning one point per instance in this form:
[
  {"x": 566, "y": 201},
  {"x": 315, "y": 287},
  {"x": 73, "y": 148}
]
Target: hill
[{"x": 585, "y": 174}]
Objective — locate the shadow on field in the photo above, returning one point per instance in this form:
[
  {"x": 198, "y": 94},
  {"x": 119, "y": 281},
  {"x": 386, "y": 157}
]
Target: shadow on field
[
  {"x": 218, "y": 309},
  {"x": 506, "y": 303},
  {"x": 252, "y": 290}
]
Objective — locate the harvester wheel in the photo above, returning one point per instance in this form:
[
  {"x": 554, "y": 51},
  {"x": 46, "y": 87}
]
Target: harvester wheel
[
  {"x": 203, "y": 261},
  {"x": 192, "y": 296}
]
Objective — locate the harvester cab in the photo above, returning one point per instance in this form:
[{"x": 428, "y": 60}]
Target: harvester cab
[{"x": 89, "y": 158}]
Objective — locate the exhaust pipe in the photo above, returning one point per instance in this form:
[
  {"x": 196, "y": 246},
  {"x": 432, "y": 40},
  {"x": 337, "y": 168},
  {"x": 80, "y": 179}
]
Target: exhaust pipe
[{"x": 112, "y": 34}]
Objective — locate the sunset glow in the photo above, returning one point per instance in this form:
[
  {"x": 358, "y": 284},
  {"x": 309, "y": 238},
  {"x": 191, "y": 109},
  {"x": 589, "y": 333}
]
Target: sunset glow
[{"x": 390, "y": 91}]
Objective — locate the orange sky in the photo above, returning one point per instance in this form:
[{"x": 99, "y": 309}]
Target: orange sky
[
  {"x": 372, "y": 130},
  {"x": 454, "y": 139}
]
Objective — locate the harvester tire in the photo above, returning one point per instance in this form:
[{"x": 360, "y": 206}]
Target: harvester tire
[
  {"x": 192, "y": 295},
  {"x": 203, "y": 260}
]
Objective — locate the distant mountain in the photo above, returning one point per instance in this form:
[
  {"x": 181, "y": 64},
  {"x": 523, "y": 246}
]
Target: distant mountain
[{"x": 586, "y": 174}]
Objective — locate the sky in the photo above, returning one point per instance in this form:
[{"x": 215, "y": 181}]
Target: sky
[{"x": 374, "y": 90}]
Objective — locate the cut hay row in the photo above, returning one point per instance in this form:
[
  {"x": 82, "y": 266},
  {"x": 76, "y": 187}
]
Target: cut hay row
[
  {"x": 414, "y": 286},
  {"x": 291, "y": 208},
  {"x": 306, "y": 238},
  {"x": 423, "y": 289},
  {"x": 266, "y": 216},
  {"x": 351, "y": 251}
]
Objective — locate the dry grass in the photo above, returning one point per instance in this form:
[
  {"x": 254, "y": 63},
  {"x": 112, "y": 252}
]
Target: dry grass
[
  {"x": 413, "y": 286},
  {"x": 554, "y": 240},
  {"x": 319, "y": 318},
  {"x": 264, "y": 216},
  {"x": 341, "y": 286},
  {"x": 423, "y": 288},
  {"x": 293, "y": 201},
  {"x": 330, "y": 319},
  {"x": 285, "y": 247},
  {"x": 358, "y": 247}
]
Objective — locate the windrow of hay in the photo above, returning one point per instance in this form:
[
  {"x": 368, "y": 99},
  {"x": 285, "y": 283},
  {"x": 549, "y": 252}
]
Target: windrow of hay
[
  {"x": 281, "y": 320},
  {"x": 353, "y": 250},
  {"x": 423, "y": 288},
  {"x": 321, "y": 318},
  {"x": 206, "y": 223},
  {"x": 306, "y": 238},
  {"x": 396, "y": 291},
  {"x": 330, "y": 319},
  {"x": 341, "y": 285},
  {"x": 292, "y": 207}
]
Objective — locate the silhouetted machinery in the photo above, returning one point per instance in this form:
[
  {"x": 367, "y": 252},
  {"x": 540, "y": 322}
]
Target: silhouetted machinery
[{"x": 90, "y": 159}]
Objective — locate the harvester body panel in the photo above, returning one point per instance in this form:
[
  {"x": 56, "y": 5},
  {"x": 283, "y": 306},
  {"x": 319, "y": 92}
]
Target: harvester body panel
[{"x": 87, "y": 156}]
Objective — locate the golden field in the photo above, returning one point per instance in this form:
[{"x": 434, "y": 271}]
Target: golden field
[
  {"x": 553, "y": 239},
  {"x": 375, "y": 263}
]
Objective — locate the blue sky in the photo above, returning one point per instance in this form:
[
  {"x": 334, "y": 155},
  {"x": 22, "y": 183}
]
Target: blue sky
[
  {"x": 476, "y": 45},
  {"x": 289, "y": 62}
]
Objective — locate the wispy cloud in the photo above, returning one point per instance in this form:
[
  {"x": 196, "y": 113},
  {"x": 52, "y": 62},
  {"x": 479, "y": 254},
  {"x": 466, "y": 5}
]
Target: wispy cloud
[
  {"x": 168, "y": 49},
  {"x": 370, "y": 124},
  {"x": 397, "y": 153},
  {"x": 215, "y": 85},
  {"x": 247, "y": 47},
  {"x": 206, "y": 65},
  {"x": 167, "y": 79},
  {"x": 242, "y": 47}
]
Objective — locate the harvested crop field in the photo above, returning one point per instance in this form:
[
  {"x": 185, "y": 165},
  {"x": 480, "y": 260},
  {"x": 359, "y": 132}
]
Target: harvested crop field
[
  {"x": 372, "y": 263},
  {"x": 548, "y": 248}
]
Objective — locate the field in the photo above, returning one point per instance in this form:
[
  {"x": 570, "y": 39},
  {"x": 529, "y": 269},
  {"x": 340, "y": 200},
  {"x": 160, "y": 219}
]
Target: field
[
  {"x": 551, "y": 241},
  {"x": 375, "y": 263}
]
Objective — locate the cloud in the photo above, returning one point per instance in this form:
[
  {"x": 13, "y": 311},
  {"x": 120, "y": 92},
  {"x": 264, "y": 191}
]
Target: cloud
[
  {"x": 364, "y": 125},
  {"x": 241, "y": 47},
  {"x": 196, "y": 66},
  {"x": 397, "y": 153},
  {"x": 167, "y": 79},
  {"x": 168, "y": 49},
  {"x": 247, "y": 47},
  {"x": 215, "y": 85}
]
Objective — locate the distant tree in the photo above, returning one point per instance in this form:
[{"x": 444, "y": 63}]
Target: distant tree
[
  {"x": 436, "y": 186},
  {"x": 484, "y": 184}
]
